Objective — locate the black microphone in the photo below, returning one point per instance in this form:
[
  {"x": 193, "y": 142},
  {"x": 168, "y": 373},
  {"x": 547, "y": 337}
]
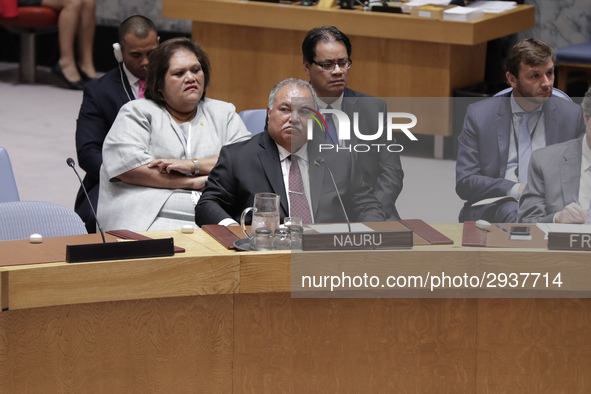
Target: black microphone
[
  {"x": 320, "y": 160},
  {"x": 72, "y": 164}
]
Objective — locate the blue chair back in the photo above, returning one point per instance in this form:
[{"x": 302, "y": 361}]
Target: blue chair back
[
  {"x": 8, "y": 189},
  {"x": 555, "y": 93},
  {"x": 254, "y": 119},
  {"x": 20, "y": 219}
]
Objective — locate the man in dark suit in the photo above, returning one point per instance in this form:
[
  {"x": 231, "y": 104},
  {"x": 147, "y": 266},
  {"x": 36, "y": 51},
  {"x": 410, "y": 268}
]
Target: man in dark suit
[
  {"x": 102, "y": 100},
  {"x": 559, "y": 180},
  {"x": 265, "y": 162},
  {"x": 327, "y": 60},
  {"x": 499, "y": 134}
]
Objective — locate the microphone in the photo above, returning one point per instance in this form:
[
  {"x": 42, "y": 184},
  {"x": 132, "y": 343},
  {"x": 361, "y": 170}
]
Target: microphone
[
  {"x": 320, "y": 160},
  {"x": 143, "y": 248},
  {"x": 72, "y": 164}
]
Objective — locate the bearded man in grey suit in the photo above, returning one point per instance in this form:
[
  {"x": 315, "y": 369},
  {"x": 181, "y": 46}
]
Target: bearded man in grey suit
[{"x": 559, "y": 180}]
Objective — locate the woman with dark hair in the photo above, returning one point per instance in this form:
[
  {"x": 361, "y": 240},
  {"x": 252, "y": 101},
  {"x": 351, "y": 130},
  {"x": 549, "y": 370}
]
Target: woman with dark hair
[{"x": 160, "y": 149}]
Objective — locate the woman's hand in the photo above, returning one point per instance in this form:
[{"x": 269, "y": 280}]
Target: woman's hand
[
  {"x": 199, "y": 182},
  {"x": 186, "y": 167}
]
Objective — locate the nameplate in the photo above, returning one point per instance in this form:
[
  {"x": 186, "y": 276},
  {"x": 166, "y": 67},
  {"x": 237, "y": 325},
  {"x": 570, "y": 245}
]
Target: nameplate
[
  {"x": 358, "y": 240},
  {"x": 569, "y": 241}
]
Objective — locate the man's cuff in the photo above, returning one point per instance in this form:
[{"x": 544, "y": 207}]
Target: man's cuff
[
  {"x": 514, "y": 191},
  {"x": 227, "y": 221}
]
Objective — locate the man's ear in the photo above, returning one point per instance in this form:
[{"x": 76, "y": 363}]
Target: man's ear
[
  {"x": 306, "y": 67},
  {"x": 512, "y": 79}
]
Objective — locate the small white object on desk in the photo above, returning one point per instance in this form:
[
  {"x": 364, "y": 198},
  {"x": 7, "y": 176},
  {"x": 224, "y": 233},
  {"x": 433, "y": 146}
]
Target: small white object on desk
[
  {"x": 187, "y": 229},
  {"x": 462, "y": 14},
  {"x": 35, "y": 238},
  {"x": 483, "y": 225}
]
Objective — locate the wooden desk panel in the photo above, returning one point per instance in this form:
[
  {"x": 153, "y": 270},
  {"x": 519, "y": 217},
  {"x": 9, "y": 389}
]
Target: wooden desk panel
[
  {"x": 354, "y": 345},
  {"x": 166, "y": 345},
  {"x": 253, "y": 337}
]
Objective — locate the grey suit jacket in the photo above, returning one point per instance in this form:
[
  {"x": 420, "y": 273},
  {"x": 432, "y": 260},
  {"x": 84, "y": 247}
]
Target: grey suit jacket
[
  {"x": 553, "y": 181},
  {"x": 483, "y": 148}
]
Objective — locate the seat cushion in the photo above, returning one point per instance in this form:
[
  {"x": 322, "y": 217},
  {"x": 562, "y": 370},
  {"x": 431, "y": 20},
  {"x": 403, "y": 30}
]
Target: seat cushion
[
  {"x": 579, "y": 53},
  {"x": 32, "y": 17}
]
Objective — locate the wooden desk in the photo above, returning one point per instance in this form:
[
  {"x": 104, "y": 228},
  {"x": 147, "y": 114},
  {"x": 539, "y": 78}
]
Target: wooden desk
[
  {"x": 253, "y": 45},
  {"x": 212, "y": 320}
]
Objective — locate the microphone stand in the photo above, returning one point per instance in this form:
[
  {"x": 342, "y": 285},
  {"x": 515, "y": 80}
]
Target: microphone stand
[{"x": 115, "y": 250}]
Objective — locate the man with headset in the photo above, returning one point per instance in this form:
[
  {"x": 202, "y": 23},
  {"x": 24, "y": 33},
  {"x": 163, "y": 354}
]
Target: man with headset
[{"x": 102, "y": 100}]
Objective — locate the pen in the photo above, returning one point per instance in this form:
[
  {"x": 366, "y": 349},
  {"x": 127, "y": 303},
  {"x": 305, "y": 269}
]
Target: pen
[
  {"x": 576, "y": 199},
  {"x": 501, "y": 227}
]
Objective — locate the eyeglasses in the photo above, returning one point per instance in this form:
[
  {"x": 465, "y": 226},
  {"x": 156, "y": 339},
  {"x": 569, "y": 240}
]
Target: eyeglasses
[{"x": 328, "y": 67}]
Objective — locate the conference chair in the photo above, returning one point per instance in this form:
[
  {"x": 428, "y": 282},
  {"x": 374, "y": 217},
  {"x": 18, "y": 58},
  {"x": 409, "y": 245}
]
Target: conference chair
[
  {"x": 254, "y": 119},
  {"x": 20, "y": 219},
  {"x": 574, "y": 58},
  {"x": 555, "y": 93},
  {"x": 8, "y": 189},
  {"x": 28, "y": 22}
]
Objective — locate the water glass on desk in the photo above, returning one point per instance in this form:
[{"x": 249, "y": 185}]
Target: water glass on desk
[
  {"x": 263, "y": 239},
  {"x": 292, "y": 221},
  {"x": 296, "y": 236},
  {"x": 282, "y": 239}
]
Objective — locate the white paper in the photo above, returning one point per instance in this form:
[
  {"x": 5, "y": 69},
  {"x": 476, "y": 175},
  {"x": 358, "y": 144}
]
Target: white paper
[
  {"x": 564, "y": 228},
  {"x": 339, "y": 228},
  {"x": 493, "y": 7},
  {"x": 491, "y": 200},
  {"x": 417, "y": 3},
  {"x": 462, "y": 14}
]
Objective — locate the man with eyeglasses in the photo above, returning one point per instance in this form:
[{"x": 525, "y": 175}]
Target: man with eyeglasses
[{"x": 327, "y": 61}]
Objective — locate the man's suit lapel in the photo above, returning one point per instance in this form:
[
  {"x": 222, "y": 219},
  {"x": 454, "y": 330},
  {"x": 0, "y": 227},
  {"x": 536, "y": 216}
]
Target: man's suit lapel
[
  {"x": 350, "y": 103},
  {"x": 122, "y": 86},
  {"x": 570, "y": 171},
  {"x": 269, "y": 158},
  {"x": 504, "y": 124}
]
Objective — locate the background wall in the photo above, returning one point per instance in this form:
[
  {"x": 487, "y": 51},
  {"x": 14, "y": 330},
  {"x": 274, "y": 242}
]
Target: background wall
[
  {"x": 112, "y": 12},
  {"x": 560, "y": 23}
]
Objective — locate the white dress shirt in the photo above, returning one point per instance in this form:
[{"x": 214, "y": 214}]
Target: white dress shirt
[{"x": 133, "y": 81}]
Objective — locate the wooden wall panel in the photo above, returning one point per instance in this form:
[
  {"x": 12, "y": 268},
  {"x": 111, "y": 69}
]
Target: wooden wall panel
[
  {"x": 147, "y": 346},
  {"x": 353, "y": 345},
  {"x": 534, "y": 346},
  {"x": 247, "y": 62}
]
